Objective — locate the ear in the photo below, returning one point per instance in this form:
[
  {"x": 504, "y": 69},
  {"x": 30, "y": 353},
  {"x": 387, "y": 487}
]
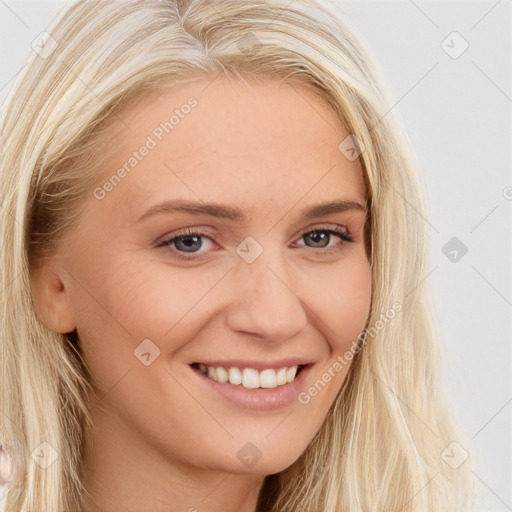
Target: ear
[{"x": 51, "y": 297}]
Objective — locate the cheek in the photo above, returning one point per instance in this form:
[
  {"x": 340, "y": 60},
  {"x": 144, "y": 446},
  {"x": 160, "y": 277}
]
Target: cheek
[
  {"x": 345, "y": 302},
  {"x": 166, "y": 305},
  {"x": 343, "y": 309},
  {"x": 127, "y": 302}
]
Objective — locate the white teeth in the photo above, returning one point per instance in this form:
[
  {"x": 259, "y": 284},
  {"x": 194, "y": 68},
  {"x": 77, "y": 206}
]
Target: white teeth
[
  {"x": 281, "y": 377},
  {"x": 249, "y": 377},
  {"x": 268, "y": 379},
  {"x": 235, "y": 376},
  {"x": 222, "y": 374},
  {"x": 290, "y": 373}
]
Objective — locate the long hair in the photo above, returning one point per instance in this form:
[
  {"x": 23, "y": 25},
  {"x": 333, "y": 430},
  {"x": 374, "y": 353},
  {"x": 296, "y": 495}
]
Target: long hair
[{"x": 382, "y": 445}]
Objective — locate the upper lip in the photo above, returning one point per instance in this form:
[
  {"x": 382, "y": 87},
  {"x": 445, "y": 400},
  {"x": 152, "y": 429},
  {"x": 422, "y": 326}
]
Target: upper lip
[{"x": 257, "y": 365}]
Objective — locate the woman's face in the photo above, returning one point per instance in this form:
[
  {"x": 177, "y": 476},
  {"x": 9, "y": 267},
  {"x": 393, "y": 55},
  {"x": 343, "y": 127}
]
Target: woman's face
[{"x": 260, "y": 286}]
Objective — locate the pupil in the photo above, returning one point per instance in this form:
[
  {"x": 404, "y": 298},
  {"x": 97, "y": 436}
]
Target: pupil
[
  {"x": 189, "y": 242},
  {"x": 318, "y": 237}
]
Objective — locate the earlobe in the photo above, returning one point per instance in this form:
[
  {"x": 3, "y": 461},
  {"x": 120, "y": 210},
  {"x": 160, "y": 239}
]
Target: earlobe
[{"x": 51, "y": 298}]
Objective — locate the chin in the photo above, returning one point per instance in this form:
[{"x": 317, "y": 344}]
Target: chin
[{"x": 258, "y": 460}]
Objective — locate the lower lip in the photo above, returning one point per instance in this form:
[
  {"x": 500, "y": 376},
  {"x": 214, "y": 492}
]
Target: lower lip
[{"x": 261, "y": 399}]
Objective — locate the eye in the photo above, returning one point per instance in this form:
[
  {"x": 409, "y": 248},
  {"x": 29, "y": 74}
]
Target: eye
[
  {"x": 188, "y": 242},
  {"x": 321, "y": 237},
  {"x": 187, "y": 245}
]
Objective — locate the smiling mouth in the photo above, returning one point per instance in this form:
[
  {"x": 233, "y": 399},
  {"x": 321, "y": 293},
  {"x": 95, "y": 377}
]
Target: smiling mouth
[{"x": 250, "y": 378}]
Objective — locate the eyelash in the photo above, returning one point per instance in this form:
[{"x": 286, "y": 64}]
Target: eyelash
[{"x": 341, "y": 234}]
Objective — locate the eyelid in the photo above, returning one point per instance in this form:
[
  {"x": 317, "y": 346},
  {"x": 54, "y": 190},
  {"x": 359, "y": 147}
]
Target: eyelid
[
  {"x": 204, "y": 231},
  {"x": 190, "y": 231},
  {"x": 340, "y": 228}
]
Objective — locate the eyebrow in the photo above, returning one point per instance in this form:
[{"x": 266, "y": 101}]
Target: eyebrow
[{"x": 223, "y": 211}]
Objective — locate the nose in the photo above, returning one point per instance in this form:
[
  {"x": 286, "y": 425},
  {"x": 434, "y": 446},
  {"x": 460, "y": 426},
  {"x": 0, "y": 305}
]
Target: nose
[{"x": 264, "y": 303}]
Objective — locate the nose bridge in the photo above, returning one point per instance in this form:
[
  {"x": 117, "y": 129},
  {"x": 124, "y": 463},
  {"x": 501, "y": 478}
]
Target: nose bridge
[{"x": 265, "y": 302}]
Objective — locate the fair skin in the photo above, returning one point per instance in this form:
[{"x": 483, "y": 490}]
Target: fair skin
[{"x": 164, "y": 439}]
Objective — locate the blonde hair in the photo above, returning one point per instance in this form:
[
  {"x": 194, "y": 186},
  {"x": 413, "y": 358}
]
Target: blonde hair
[{"x": 380, "y": 447}]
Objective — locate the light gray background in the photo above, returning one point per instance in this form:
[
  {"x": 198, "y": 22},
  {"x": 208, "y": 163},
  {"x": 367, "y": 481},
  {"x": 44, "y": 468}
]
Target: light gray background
[{"x": 457, "y": 114}]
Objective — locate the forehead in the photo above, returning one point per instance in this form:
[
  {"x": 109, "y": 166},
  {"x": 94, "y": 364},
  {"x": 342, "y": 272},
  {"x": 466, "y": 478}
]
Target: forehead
[{"x": 230, "y": 140}]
